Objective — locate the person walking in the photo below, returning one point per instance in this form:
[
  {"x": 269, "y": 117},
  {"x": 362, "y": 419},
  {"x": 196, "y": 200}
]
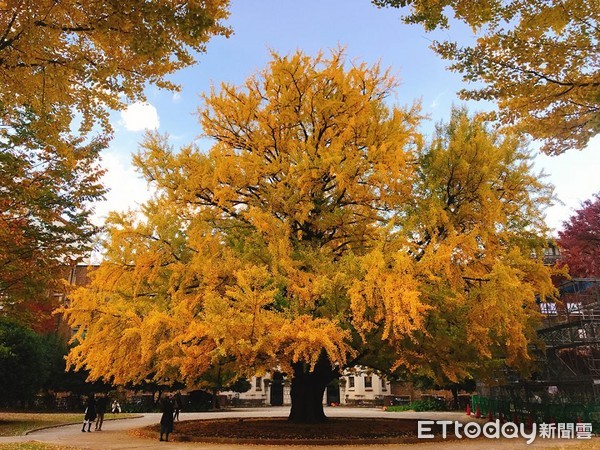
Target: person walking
[
  {"x": 90, "y": 413},
  {"x": 100, "y": 411},
  {"x": 177, "y": 404},
  {"x": 166, "y": 420}
]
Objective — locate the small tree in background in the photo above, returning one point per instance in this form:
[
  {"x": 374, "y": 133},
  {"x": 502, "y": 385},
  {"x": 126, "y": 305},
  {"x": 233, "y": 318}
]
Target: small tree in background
[
  {"x": 24, "y": 366},
  {"x": 579, "y": 240},
  {"x": 223, "y": 377},
  {"x": 46, "y": 194}
]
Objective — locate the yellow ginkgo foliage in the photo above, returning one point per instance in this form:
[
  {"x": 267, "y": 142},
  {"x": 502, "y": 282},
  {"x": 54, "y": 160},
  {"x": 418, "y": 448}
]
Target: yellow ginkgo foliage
[
  {"x": 538, "y": 60},
  {"x": 314, "y": 236},
  {"x": 65, "y": 65},
  {"x": 476, "y": 237},
  {"x": 58, "y": 57}
]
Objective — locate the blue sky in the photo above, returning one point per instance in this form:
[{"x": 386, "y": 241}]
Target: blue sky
[{"x": 368, "y": 34}]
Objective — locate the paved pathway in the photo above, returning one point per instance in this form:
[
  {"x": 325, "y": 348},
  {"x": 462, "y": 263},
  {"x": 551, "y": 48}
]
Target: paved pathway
[{"x": 115, "y": 434}]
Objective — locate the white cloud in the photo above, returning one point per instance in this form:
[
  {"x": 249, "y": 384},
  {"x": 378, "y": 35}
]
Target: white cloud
[
  {"x": 575, "y": 176},
  {"x": 127, "y": 189},
  {"x": 436, "y": 101},
  {"x": 140, "y": 116}
]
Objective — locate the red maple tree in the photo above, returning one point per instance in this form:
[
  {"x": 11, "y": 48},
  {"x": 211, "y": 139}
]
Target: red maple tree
[{"x": 580, "y": 240}]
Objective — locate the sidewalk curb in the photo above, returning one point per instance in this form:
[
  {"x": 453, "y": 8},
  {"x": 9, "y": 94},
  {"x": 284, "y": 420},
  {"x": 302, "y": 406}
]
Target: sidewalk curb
[{"x": 49, "y": 427}]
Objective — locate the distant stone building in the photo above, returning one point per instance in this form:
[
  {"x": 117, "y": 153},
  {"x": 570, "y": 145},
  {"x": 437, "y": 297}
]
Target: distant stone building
[
  {"x": 75, "y": 276},
  {"x": 358, "y": 386},
  {"x": 361, "y": 385}
]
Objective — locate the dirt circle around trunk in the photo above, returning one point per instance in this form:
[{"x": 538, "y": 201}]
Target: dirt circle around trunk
[{"x": 280, "y": 431}]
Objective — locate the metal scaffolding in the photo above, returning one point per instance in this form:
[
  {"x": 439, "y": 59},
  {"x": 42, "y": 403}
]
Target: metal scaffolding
[
  {"x": 566, "y": 386},
  {"x": 571, "y": 336}
]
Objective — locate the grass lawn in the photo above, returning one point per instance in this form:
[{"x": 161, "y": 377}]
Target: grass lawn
[{"x": 17, "y": 423}]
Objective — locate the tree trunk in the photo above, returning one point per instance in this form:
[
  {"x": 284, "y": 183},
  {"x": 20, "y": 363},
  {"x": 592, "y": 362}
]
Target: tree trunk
[{"x": 308, "y": 388}]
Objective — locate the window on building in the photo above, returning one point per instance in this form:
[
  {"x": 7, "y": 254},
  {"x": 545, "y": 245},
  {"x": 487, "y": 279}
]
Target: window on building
[
  {"x": 581, "y": 333},
  {"x": 258, "y": 385},
  {"x": 383, "y": 384},
  {"x": 368, "y": 382},
  {"x": 350, "y": 382},
  {"x": 548, "y": 308},
  {"x": 574, "y": 308}
]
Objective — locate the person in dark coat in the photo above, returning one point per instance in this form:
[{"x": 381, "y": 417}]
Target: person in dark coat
[
  {"x": 166, "y": 420},
  {"x": 100, "y": 411},
  {"x": 90, "y": 413},
  {"x": 177, "y": 404}
]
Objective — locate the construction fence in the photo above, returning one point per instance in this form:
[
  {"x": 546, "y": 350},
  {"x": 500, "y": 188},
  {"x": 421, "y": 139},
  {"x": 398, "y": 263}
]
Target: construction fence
[{"x": 514, "y": 410}]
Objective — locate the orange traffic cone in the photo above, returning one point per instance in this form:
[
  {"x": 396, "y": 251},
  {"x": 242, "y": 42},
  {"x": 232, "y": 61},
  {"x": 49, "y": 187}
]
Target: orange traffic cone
[
  {"x": 477, "y": 413},
  {"x": 490, "y": 416},
  {"x": 468, "y": 409}
]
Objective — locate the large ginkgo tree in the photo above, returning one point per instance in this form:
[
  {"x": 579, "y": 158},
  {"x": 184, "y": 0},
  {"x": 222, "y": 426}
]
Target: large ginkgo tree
[{"x": 319, "y": 232}]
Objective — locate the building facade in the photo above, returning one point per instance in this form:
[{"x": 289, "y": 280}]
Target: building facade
[{"x": 358, "y": 386}]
